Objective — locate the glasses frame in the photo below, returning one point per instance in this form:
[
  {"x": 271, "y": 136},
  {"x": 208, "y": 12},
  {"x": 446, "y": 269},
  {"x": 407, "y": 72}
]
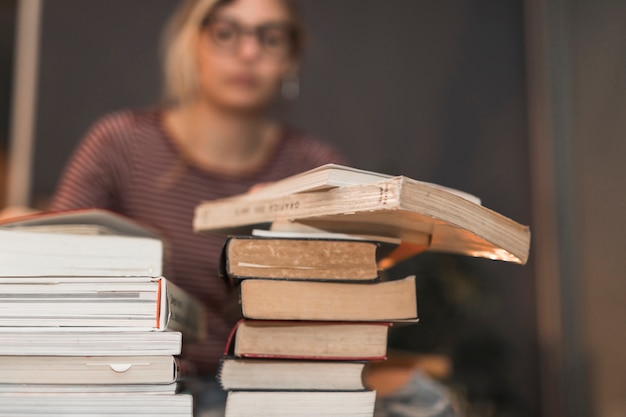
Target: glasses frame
[{"x": 255, "y": 31}]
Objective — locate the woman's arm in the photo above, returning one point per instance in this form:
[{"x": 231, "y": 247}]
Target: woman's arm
[{"x": 96, "y": 172}]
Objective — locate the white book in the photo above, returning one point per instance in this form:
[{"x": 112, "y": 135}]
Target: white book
[
  {"x": 162, "y": 369},
  {"x": 87, "y": 341},
  {"x": 88, "y": 388},
  {"x": 88, "y": 242},
  {"x": 95, "y": 404},
  {"x": 141, "y": 303}
]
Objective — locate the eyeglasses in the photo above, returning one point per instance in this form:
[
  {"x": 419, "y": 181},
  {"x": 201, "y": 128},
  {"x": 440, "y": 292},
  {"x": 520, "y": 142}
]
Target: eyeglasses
[{"x": 276, "y": 39}]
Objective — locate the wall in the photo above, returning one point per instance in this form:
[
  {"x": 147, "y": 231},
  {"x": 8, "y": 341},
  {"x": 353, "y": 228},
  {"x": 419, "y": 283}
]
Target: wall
[
  {"x": 599, "y": 126},
  {"x": 577, "y": 104}
]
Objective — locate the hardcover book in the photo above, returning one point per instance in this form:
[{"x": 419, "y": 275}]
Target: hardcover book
[
  {"x": 236, "y": 374},
  {"x": 308, "y": 340},
  {"x": 300, "y": 404},
  {"x": 329, "y": 301},
  {"x": 246, "y": 257}
]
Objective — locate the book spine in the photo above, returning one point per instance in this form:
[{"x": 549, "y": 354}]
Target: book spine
[
  {"x": 232, "y": 213},
  {"x": 178, "y": 311}
]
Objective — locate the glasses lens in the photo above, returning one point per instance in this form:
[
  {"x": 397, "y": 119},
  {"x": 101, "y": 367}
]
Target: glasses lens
[
  {"x": 224, "y": 33},
  {"x": 276, "y": 40}
]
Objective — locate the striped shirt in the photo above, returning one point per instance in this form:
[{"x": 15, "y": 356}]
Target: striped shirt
[{"x": 127, "y": 163}]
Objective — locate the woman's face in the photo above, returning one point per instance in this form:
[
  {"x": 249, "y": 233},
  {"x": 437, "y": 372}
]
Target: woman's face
[{"x": 243, "y": 54}]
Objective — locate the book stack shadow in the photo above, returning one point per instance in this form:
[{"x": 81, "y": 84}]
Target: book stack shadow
[
  {"x": 306, "y": 254},
  {"x": 88, "y": 324},
  {"x": 315, "y": 312}
]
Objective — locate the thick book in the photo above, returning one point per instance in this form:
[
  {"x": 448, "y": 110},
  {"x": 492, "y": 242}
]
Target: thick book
[
  {"x": 142, "y": 369},
  {"x": 62, "y": 404},
  {"x": 398, "y": 207},
  {"x": 89, "y": 242},
  {"x": 304, "y": 258},
  {"x": 236, "y": 374},
  {"x": 73, "y": 388},
  {"x": 130, "y": 302},
  {"x": 263, "y": 299},
  {"x": 308, "y": 340},
  {"x": 87, "y": 341},
  {"x": 300, "y": 404}
]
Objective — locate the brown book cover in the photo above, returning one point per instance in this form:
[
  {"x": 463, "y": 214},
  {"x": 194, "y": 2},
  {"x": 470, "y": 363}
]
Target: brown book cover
[
  {"x": 308, "y": 340},
  {"x": 303, "y": 258},
  {"x": 329, "y": 301}
]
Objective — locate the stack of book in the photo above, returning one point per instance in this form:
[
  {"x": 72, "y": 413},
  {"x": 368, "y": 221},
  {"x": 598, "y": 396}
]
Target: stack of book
[
  {"x": 315, "y": 312},
  {"x": 317, "y": 308},
  {"x": 88, "y": 324}
]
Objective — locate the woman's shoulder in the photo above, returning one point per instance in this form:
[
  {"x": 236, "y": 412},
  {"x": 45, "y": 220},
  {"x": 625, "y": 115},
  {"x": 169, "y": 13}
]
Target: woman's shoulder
[
  {"x": 120, "y": 129},
  {"x": 128, "y": 119}
]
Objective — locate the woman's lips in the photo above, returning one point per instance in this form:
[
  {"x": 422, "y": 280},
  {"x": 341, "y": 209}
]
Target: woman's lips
[{"x": 243, "y": 80}]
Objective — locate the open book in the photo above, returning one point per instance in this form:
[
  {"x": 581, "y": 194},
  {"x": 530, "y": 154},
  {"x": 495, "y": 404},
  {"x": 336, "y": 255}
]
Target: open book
[
  {"x": 399, "y": 207},
  {"x": 331, "y": 176}
]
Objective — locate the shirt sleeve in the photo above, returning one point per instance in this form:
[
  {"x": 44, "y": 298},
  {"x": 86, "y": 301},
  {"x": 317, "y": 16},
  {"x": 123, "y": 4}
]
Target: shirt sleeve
[{"x": 93, "y": 176}]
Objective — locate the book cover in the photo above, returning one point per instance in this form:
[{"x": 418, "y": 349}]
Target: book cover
[
  {"x": 237, "y": 374},
  {"x": 301, "y": 258},
  {"x": 308, "y": 340},
  {"x": 329, "y": 301}
]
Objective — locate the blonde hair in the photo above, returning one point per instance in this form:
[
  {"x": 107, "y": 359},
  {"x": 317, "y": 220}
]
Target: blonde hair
[{"x": 180, "y": 73}]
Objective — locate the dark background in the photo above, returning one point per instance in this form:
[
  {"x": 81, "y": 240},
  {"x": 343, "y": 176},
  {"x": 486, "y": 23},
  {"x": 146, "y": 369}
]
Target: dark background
[
  {"x": 7, "y": 35},
  {"x": 431, "y": 90}
]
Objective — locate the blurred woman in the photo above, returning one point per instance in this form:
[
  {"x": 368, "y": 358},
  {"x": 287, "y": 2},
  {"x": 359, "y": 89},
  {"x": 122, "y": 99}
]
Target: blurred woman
[{"x": 224, "y": 64}]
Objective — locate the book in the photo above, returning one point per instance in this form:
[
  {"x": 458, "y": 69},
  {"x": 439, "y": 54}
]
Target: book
[
  {"x": 70, "y": 388},
  {"x": 142, "y": 369},
  {"x": 310, "y": 340},
  {"x": 331, "y": 176},
  {"x": 247, "y": 257},
  {"x": 133, "y": 302},
  {"x": 263, "y": 299},
  {"x": 89, "y": 242},
  {"x": 300, "y": 404},
  {"x": 86, "y": 341},
  {"x": 236, "y": 374},
  {"x": 63, "y": 404},
  {"x": 397, "y": 207}
]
